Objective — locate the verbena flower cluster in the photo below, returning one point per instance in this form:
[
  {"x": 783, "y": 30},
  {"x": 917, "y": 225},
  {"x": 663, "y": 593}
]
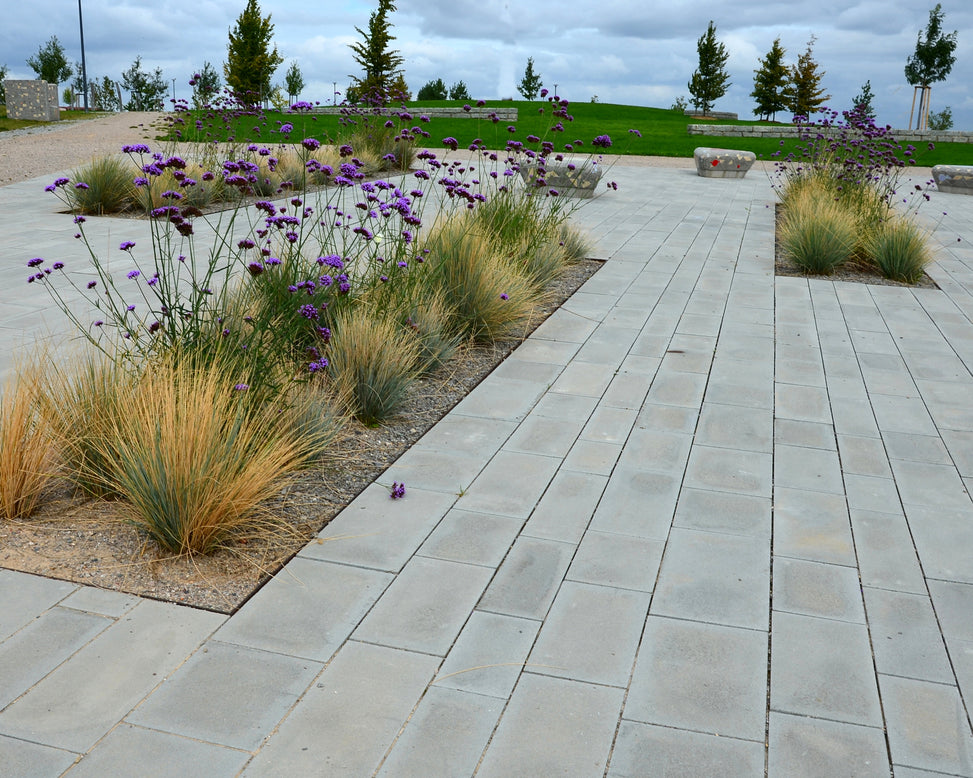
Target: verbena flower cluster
[
  {"x": 312, "y": 251},
  {"x": 855, "y": 152}
]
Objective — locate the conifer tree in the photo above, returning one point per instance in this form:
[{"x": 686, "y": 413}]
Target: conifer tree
[
  {"x": 805, "y": 94},
  {"x": 862, "y": 104},
  {"x": 710, "y": 81},
  {"x": 250, "y": 62},
  {"x": 770, "y": 81},
  {"x": 530, "y": 84},
  {"x": 380, "y": 63}
]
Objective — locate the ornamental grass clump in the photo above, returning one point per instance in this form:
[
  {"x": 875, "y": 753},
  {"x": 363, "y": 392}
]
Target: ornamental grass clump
[
  {"x": 488, "y": 296},
  {"x": 195, "y": 462},
  {"x": 373, "y": 361},
  {"x": 26, "y": 461},
  {"x": 816, "y": 232},
  {"x": 104, "y": 185},
  {"x": 900, "y": 249},
  {"x": 80, "y": 404}
]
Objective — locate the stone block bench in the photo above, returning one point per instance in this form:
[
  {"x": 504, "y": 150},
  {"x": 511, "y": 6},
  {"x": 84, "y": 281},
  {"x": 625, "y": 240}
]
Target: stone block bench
[
  {"x": 566, "y": 179},
  {"x": 956, "y": 179},
  {"x": 723, "y": 163}
]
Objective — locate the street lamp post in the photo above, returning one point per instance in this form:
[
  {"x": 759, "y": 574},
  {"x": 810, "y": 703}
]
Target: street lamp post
[
  {"x": 334, "y": 93},
  {"x": 84, "y": 72}
]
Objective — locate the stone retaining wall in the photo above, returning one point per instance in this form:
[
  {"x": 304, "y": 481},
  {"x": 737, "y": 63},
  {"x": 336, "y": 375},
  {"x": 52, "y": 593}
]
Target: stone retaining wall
[
  {"x": 776, "y": 131},
  {"x": 504, "y": 114},
  {"x": 712, "y": 114},
  {"x": 32, "y": 100}
]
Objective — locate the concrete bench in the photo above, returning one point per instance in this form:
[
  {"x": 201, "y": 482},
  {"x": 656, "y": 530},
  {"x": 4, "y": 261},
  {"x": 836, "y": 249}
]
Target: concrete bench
[
  {"x": 723, "y": 163},
  {"x": 955, "y": 179},
  {"x": 579, "y": 180}
]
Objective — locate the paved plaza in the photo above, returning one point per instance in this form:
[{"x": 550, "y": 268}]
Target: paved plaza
[{"x": 705, "y": 521}]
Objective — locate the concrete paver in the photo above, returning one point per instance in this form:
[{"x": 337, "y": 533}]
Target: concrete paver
[{"x": 688, "y": 464}]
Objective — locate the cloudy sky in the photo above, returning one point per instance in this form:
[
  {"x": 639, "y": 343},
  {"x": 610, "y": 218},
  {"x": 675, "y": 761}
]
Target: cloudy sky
[{"x": 637, "y": 52}]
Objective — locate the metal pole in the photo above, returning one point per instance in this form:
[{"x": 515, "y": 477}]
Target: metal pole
[{"x": 84, "y": 71}]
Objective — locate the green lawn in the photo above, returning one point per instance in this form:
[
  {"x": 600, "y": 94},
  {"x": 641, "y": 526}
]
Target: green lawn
[{"x": 19, "y": 124}]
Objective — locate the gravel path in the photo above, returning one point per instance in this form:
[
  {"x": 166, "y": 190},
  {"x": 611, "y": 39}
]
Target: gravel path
[{"x": 52, "y": 148}]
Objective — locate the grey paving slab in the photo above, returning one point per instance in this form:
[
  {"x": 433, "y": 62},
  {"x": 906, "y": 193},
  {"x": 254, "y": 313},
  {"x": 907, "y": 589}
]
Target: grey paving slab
[
  {"x": 649, "y": 449},
  {"x": 553, "y": 726},
  {"x": 503, "y": 399},
  {"x": 592, "y": 456},
  {"x": 729, "y": 426},
  {"x": 567, "y": 506},
  {"x": 426, "y": 606},
  {"x": 545, "y": 435},
  {"x": 854, "y": 416},
  {"x": 46, "y": 642},
  {"x": 727, "y": 470},
  {"x": 723, "y": 512},
  {"x": 528, "y": 579},
  {"x": 815, "y": 748},
  {"x": 720, "y": 579},
  {"x": 559, "y": 405},
  {"x": 489, "y": 654},
  {"x": 960, "y": 446},
  {"x": 921, "y": 483},
  {"x": 802, "y": 403},
  {"x": 701, "y": 677},
  {"x": 886, "y": 554},
  {"x": 444, "y": 736},
  {"x": 669, "y": 418},
  {"x": 928, "y": 727},
  {"x": 811, "y": 469},
  {"x": 638, "y": 503},
  {"x": 100, "y": 601},
  {"x": 868, "y": 493},
  {"x": 436, "y": 470},
  {"x": 670, "y": 387},
  {"x": 902, "y": 414},
  {"x": 27, "y": 595},
  {"x": 197, "y": 701},
  {"x": 622, "y": 561},
  {"x": 538, "y": 349},
  {"x": 378, "y": 532},
  {"x": 817, "y": 589},
  {"x": 158, "y": 755},
  {"x": 468, "y": 434},
  {"x": 812, "y": 525},
  {"x": 511, "y": 485},
  {"x": 610, "y": 425},
  {"x": 75, "y": 705},
  {"x": 644, "y": 749},
  {"x": 473, "y": 538},
  {"x": 584, "y": 378},
  {"x": 942, "y": 540},
  {"x": 308, "y": 610},
  {"x": 906, "y": 637},
  {"x": 823, "y": 668},
  {"x": 863, "y": 456},
  {"x": 591, "y": 634},
  {"x": 30, "y": 760},
  {"x": 347, "y": 720},
  {"x": 953, "y": 603}
]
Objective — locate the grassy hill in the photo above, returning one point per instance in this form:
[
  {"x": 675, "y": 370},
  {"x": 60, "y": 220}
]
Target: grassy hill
[{"x": 663, "y": 132}]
